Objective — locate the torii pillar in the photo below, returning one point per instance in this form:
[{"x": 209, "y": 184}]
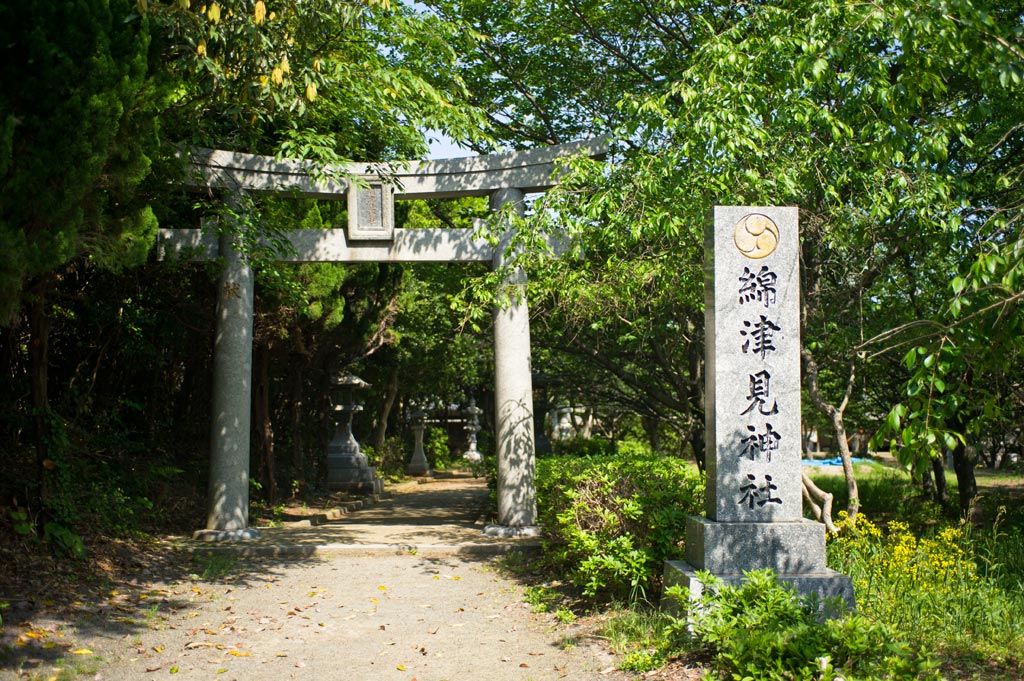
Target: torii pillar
[
  {"x": 513, "y": 395},
  {"x": 228, "y": 507}
]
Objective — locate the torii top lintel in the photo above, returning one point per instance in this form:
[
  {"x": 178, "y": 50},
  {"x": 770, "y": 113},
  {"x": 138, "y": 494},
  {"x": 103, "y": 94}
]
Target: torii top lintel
[{"x": 530, "y": 170}]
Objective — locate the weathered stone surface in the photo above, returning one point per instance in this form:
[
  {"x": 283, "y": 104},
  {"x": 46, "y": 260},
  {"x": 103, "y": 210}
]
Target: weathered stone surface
[
  {"x": 348, "y": 469},
  {"x": 418, "y": 464},
  {"x": 735, "y": 548},
  {"x": 228, "y": 501},
  {"x": 752, "y": 320},
  {"x": 227, "y": 535},
  {"x": 752, "y": 411},
  {"x": 333, "y": 245},
  {"x": 371, "y": 212},
  {"x": 530, "y": 170},
  {"x": 513, "y": 396}
]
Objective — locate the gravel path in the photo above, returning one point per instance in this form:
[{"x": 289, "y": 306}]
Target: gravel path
[
  {"x": 395, "y": 617},
  {"x": 406, "y": 589}
]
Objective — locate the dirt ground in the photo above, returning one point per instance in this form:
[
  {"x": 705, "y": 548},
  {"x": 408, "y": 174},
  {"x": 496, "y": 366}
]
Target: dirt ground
[
  {"x": 393, "y": 617},
  {"x": 390, "y": 592}
]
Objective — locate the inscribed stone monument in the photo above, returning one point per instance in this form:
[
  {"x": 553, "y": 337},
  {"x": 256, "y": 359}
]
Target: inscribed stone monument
[{"x": 754, "y": 517}]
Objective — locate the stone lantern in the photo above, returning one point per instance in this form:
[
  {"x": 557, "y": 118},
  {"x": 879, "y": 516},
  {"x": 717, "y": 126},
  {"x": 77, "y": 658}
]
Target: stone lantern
[
  {"x": 347, "y": 468},
  {"x": 472, "y": 427},
  {"x": 419, "y": 465}
]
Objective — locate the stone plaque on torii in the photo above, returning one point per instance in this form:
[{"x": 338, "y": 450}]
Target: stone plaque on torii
[{"x": 371, "y": 237}]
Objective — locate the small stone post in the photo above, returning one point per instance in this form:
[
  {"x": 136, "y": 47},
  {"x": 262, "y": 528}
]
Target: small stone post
[
  {"x": 513, "y": 393},
  {"x": 418, "y": 465},
  {"x": 227, "y": 515},
  {"x": 752, "y": 411}
]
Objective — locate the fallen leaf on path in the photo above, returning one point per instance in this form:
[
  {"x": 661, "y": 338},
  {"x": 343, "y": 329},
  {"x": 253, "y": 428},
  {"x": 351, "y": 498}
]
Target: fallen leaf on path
[
  {"x": 81, "y": 651},
  {"x": 238, "y": 653}
]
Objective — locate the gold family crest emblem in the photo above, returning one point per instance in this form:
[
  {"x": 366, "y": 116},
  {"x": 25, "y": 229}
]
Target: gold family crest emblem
[{"x": 756, "y": 236}]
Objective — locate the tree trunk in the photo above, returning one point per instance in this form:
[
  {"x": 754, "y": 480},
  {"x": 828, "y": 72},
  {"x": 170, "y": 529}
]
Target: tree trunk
[
  {"x": 39, "y": 376},
  {"x": 967, "y": 485},
  {"x": 927, "y": 485},
  {"x": 963, "y": 465},
  {"x": 838, "y": 426},
  {"x": 380, "y": 423},
  {"x": 264, "y": 436},
  {"x": 298, "y": 364},
  {"x": 652, "y": 429},
  {"x": 941, "y": 490},
  {"x": 835, "y": 417}
]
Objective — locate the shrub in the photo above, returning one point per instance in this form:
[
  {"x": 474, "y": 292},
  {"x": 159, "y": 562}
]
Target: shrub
[
  {"x": 583, "y": 446},
  {"x": 761, "y": 629},
  {"x": 435, "y": 446},
  {"x": 611, "y": 522},
  {"x": 390, "y": 460}
]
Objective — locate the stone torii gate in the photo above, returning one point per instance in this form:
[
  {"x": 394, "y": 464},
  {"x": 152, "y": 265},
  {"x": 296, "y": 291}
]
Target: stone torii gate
[{"x": 371, "y": 237}]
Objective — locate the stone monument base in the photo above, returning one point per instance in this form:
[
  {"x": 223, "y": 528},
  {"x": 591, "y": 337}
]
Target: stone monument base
[
  {"x": 827, "y": 584},
  {"x": 795, "y": 550},
  {"x": 419, "y": 469},
  {"x": 364, "y": 487},
  {"x": 353, "y": 475},
  {"x": 508, "y": 532},
  {"x": 227, "y": 535}
]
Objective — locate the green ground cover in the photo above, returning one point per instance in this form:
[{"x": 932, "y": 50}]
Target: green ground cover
[{"x": 936, "y": 597}]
